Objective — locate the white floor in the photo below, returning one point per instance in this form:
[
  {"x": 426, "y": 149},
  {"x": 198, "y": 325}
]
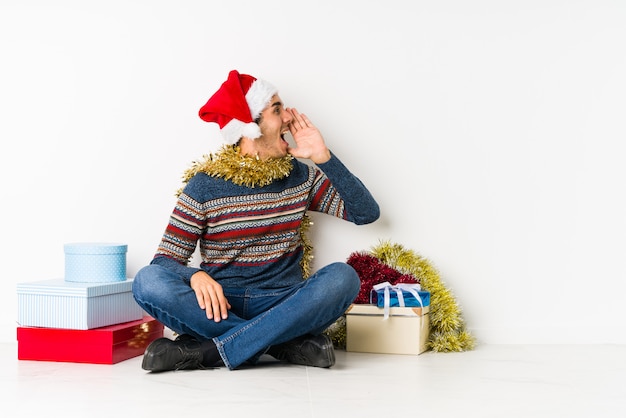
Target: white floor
[{"x": 490, "y": 381}]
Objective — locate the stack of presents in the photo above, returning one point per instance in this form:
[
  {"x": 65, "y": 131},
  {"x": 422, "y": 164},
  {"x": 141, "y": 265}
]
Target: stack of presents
[
  {"x": 89, "y": 316},
  {"x": 395, "y": 321}
]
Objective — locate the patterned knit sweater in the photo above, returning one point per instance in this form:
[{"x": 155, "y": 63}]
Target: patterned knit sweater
[{"x": 250, "y": 237}]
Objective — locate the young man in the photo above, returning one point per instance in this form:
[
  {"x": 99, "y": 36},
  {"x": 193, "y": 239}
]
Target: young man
[{"x": 245, "y": 207}]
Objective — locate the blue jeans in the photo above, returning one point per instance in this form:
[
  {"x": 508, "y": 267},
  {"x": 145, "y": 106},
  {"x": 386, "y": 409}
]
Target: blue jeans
[{"x": 258, "y": 318}]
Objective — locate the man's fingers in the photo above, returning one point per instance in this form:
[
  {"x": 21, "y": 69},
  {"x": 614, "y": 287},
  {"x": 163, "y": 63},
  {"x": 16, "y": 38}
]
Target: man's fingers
[
  {"x": 217, "y": 306},
  {"x": 200, "y": 299},
  {"x": 298, "y": 121},
  {"x": 305, "y": 121},
  {"x": 224, "y": 307}
]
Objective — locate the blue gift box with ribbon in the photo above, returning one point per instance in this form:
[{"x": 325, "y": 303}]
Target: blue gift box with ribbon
[{"x": 385, "y": 295}]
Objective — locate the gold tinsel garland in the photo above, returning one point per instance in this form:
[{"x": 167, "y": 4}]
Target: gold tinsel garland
[
  {"x": 307, "y": 247},
  {"x": 229, "y": 164}
]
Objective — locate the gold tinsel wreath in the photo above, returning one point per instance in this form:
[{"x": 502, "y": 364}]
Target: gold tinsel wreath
[
  {"x": 448, "y": 332},
  {"x": 229, "y": 164}
]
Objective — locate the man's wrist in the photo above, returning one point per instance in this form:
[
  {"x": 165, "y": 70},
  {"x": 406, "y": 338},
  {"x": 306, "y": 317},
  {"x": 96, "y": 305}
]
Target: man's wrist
[{"x": 322, "y": 158}]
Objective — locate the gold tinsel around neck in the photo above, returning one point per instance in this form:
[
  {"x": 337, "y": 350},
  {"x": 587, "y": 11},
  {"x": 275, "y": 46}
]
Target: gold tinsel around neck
[{"x": 229, "y": 164}]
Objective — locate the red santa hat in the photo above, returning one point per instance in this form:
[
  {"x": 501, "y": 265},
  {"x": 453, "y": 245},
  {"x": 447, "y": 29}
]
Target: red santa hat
[{"x": 236, "y": 105}]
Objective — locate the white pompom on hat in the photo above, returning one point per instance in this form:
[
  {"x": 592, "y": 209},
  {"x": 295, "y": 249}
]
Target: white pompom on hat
[{"x": 235, "y": 106}]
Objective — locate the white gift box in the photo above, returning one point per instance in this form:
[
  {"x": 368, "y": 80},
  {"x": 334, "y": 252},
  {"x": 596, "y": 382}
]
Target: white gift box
[
  {"x": 95, "y": 262},
  {"x": 404, "y": 331},
  {"x": 58, "y": 303}
]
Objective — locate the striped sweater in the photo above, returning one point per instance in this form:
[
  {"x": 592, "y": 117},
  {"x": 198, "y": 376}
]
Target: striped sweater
[{"x": 250, "y": 237}]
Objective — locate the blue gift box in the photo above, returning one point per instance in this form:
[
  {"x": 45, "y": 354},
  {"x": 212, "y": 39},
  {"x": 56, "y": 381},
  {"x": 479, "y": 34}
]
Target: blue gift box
[
  {"x": 57, "y": 303},
  {"x": 93, "y": 262},
  {"x": 377, "y": 297}
]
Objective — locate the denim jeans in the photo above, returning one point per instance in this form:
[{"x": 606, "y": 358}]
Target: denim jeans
[{"x": 258, "y": 318}]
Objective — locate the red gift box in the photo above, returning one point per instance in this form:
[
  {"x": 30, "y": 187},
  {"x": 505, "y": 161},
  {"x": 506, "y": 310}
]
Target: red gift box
[{"x": 105, "y": 345}]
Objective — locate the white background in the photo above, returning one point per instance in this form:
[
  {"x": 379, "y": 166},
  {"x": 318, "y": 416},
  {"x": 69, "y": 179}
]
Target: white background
[{"x": 490, "y": 132}]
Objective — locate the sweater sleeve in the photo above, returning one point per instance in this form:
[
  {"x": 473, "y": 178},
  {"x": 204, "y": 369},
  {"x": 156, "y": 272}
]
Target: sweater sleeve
[
  {"x": 186, "y": 223},
  {"x": 340, "y": 193}
]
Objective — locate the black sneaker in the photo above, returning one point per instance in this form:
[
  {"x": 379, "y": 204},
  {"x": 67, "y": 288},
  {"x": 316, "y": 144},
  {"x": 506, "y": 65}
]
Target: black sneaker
[
  {"x": 308, "y": 350},
  {"x": 164, "y": 354}
]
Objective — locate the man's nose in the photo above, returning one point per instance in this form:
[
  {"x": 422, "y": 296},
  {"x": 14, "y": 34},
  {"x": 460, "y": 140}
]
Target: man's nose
[{"x": 287, "y": 117}]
